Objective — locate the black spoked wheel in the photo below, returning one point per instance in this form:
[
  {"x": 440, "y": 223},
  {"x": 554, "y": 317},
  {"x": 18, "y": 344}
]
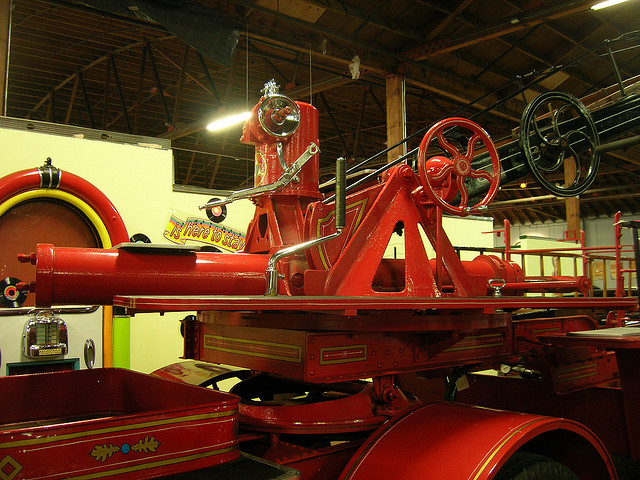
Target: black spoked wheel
[
  {"x": 559, "y": 138},
  {"x": 530, "y": 466}
]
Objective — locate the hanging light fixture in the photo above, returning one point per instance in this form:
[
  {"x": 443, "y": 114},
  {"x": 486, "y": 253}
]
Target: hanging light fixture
[
  {"x": 607, "y": 3},
  {"x": 228, "y": 121}
]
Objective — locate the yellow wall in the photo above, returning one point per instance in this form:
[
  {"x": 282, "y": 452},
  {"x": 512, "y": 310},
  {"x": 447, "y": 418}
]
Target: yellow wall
[{"x": 139, "y": 182}]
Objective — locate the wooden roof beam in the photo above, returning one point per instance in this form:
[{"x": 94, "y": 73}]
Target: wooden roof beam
[
  {"x": 500, "y": 29},
  {"x": 379, "y": 21}
]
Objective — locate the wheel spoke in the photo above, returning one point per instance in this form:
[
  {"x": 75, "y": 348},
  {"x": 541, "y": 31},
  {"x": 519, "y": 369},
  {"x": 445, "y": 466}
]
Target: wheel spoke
[
  {"x": 554, "y": 167},
  {"x": 582, "y": 134},
  {"x": 576, "y": 159},
  {"x": 543, "y": 138},
  {"x": 452, "y": 166},
  {"x": 556, "y": 122},
  {"x": 568, "y": 132},
  {"x": 451, "y": 149},
  {"x": 561, "y": 109},
  {"x": 464, "y": 195},
  {"x": 471, "y": 146},
  {"x": 480, "y": 174},
  {"x": 446, "y": 170}
]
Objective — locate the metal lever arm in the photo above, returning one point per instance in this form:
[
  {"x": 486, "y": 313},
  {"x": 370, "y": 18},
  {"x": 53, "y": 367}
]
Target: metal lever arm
[
  {"x": 287, "y": 176},
  {"x": 340, "y": 216}
]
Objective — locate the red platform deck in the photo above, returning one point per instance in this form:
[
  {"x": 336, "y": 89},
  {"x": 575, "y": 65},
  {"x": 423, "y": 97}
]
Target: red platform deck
[
  {"x": 111, "y": 423},
  {"x": 351, "y": 305}
]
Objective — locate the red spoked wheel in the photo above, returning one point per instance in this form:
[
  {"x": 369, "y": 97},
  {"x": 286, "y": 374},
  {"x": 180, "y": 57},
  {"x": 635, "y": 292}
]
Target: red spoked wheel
[{"x": 443, "y": 176}]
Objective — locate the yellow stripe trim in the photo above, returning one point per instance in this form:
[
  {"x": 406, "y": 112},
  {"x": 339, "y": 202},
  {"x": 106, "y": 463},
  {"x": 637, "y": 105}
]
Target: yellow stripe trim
[
  {"x": 325, "y": 219},
  {"x": 118, "y": 428},
  {"x": 538, "y": 331},
  {"x": 294, "y": 348},
  {"x": 576, "y": 369},
  {"x": 576, "y": 373},
  {"x": 577, "y": 377},
  {"x": 160, "y": 463},
  {"x": 502, "y": 444}
]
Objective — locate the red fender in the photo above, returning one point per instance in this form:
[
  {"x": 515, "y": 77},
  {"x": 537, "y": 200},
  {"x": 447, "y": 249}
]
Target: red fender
[
  {"x": 463, "y": 442},
  {"x": 48, "y": 177}
]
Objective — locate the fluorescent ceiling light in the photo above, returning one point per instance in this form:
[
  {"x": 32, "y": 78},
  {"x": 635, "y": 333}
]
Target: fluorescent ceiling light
[
  {"x": 607, "y": 3},
  {"x": 228, "y": 121}
]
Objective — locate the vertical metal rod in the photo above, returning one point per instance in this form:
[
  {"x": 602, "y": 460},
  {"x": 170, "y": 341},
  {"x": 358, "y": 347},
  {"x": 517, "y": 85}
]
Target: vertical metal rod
[
  {"x": 507, "y": 240},
  {"x": 375, "y": 99},
  {"x": 116, "y": 77},
  {"x": 616, "y": 70},
  {"x": 183, "y": 69},
  {"x": 143, "y": 64},
  {"x": 6, "y": 16},
  {"x": 618, "y": 253},
  {"x": 72, "y": 98},
  {"x": 85, "y": 95},
  {"x": 439, "y": 249},
  {"x": 207, "y": 75},
  {"x": 520, "y": 86},
  {"x": 341, "y": 184},
  {"x": 156, "y": 74},
  {"x": 333, "y": 121},
  {"x": 636, "y": 255},
  {"x": 105, "y": 100},
  {"x": 357, "y": 135},
  {"x": 51, "y": 112},
  {"x": 541, "y": 260}
]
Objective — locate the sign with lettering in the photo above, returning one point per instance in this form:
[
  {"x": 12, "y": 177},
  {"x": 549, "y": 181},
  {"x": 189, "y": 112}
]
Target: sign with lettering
[{"x": 200, "y": 230}]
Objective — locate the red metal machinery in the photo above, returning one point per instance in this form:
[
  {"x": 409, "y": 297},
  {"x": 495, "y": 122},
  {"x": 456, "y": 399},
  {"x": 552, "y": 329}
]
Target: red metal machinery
[{"x": 312, "y": 307}]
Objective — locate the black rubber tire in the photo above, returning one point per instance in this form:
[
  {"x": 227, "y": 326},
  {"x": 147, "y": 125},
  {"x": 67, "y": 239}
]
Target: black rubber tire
[{"x": 531, "y": 466}]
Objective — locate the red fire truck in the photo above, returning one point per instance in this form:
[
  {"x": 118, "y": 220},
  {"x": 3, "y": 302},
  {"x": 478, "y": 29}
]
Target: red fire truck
[{"x": 347, "y": 364}]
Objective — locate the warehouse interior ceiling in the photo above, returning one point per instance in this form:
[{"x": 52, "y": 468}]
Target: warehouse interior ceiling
[{"x": 114, "y": 66}]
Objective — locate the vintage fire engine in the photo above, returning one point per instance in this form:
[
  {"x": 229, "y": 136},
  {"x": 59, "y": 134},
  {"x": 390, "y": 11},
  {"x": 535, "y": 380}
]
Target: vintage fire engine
[{"x": 358, "y": 366}]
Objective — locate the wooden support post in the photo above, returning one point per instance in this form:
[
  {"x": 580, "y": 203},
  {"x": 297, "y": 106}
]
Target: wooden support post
[
  {"x": 396, "y": 115},
  {"x": 5, "y": 33},
  {"x": 573, "y": 217}
]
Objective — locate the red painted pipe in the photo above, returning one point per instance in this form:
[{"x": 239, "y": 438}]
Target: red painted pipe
[
  {"x": 92, "y": 276},
  {"x": 483, "y": 268}
]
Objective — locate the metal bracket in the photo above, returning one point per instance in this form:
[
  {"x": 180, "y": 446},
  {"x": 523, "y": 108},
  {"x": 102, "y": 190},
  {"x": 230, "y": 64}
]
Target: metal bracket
[
  {"x": 497, "y": 284},
  {"x": 283, "y": 162},
  {"x": 287, "y": 176}
]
